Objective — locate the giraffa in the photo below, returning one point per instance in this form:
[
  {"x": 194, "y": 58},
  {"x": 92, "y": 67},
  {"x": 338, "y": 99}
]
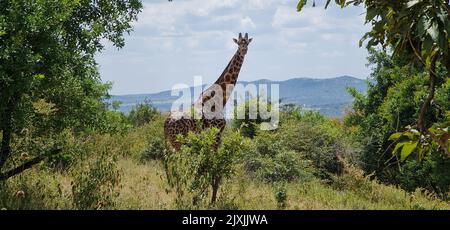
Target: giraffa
[{"x": 211, "y": 102}]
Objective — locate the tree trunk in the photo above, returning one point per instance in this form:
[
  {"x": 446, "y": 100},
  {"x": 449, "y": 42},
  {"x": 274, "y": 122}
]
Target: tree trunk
[
  {"x": 215, "y": 188},
  {"x": 421, "y": 124}
]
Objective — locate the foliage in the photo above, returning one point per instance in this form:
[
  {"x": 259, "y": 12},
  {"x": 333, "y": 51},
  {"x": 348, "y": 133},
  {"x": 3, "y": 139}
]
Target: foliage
[
  {"x": 273, "y": 163},
  {"x": 144, "y": 186},
  {"x": 431, "y": 173},
  {"x": 142, "y": 114},
  {"x": 319, "y": 140},
  {"x": 47, "y": 53},
  {"x": 418, "y": 32},
  {"x": 281, "y": 195},
  {"x": 95, "y": 188},
  {"x": 248, "y": 125},
  {"x": 413, "y": 141},
  {"x": 395, "y": 90},
  {"x": 156, "y": 149},
  {"x": 414, "y": 29},
  {"x": 199, "y": 166}
]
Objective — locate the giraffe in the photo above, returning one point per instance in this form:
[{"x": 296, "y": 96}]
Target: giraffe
[{"x": 211, "y": 102}]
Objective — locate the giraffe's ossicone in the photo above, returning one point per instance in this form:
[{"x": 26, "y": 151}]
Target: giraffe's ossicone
[{"x": 211, "y": 102}]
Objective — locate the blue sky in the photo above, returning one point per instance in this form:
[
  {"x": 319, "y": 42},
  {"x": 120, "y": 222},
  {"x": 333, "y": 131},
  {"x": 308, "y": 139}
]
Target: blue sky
[{"x": 174, "y": 41}]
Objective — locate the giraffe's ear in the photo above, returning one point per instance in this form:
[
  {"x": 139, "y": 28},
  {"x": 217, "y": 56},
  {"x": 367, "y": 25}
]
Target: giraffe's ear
[
  {"x": 250, "y": 40},
  {"x": 235, "y": 40}
]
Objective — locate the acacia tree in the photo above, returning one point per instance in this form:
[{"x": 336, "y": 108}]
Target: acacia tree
[
  {"x": 418, "y": 31},
  {"x": 47, "y": 47}
]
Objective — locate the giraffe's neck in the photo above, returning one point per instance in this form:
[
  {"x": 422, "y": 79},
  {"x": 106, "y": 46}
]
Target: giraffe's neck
[{"x": 226, "y": 81}]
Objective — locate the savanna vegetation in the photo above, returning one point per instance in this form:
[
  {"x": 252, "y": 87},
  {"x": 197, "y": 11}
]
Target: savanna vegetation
[{"x": 65, "y": 147}]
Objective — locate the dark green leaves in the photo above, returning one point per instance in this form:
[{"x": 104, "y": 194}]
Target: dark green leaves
[
  {"x": 47, "y": 50},
  {"x": 409, "y": 141}
]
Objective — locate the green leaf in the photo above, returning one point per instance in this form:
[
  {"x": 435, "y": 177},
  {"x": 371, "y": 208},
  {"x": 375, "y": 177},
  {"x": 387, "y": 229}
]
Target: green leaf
[
  {"x": 410, "y": 135},
  {"x": 39, "y": 76},
  {"x": 395, "y": 136},
  {"x": 371, "y": 13},
  {"x": 407, "y": 149},
  {"x": 423, "y": 151},
  {"x": 301, "y": 4},
  {"x": 397, "y": 147}
]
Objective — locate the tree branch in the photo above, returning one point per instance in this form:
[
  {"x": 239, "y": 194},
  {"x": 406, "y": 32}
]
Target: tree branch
[
  {"x": 432, "y": 88},
  {"x": 28, "y": 164}
]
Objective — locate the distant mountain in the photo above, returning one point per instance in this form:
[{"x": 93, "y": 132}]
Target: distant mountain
[{"x": 328, "y": 96}]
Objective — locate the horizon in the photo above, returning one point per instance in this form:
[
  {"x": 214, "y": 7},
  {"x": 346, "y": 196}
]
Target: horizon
[{"x": 174, "y": 41}]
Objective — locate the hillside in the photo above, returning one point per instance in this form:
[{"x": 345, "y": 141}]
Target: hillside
[{"x": 328, "y": 96}]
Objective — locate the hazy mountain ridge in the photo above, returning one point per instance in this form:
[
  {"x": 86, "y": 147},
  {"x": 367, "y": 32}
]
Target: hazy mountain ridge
[{"x": 329, "y": 96}]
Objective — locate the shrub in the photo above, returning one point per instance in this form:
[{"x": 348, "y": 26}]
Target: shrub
[
  {"x": 249, "y": 126},
  {"x": 95, "y": 188},
  {"x": 285, "y": 166},
  {"x": 431, "y": 174},
  {"x": 198, "y": 165},
  {"x": 72, "y": 151},
  {"x": 270, "y": 161},
  {"x": 156, "y": 149},
  {"x": 320, "y": 140},
  {"x": 281, "y": 195},
  {"x": 142, "y": 114}
]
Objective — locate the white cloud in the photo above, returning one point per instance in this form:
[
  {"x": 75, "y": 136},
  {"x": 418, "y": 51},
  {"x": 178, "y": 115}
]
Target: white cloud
[
  {"x": 332, "y": 54},
  {"x": 247, "y": 23},
  {"x": 260, "y": 4},
  {"x": 286, "y": 16}
]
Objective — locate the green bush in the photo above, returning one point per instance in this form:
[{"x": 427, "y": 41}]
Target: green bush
[
  {"x": 95, "y": 187},
  {"x": 249, "y": 126},
  {"x": 319, "y": 140},
  {"x": 431, "y": 174},
  {"x": 72, "y": 151},
  {"x": 142, "y": 114},
  {"x": 270, "y": 161},
  {"x": 281, "y": 195},
  {"x": 156, "y": 149},
  {"x": 199, "y": 166}
]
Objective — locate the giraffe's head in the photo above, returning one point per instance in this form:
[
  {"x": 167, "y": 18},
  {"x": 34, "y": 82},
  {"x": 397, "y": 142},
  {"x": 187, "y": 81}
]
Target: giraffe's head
[{"x": 243, "y": 43}]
